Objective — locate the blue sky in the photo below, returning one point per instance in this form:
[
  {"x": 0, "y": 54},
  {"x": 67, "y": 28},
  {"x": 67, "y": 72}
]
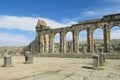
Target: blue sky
[{"x": 18, "y": 18}]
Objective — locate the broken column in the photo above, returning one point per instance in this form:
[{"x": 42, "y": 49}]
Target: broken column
[
  {"x": 95, "y": 61},
  {"x": 101, "y": 58},
  {"x": 95, "y": 47},
  {"x": 28, "y": 57},
  {"x": 104, "y": 58},
  {"x": 7, "y": 61},
  {"x": 84, "y": 49}
]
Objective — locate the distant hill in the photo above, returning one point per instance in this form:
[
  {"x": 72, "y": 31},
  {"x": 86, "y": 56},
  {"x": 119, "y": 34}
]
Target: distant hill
[
  {"x": 99, "y": 41},
  {"x": 12, "y": 49}
]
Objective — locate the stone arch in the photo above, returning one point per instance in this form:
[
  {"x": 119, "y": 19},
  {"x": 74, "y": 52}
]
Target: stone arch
[
  {"x": 98, "y": 39},
  {"x": 115, "y": 38},
  {"x": 82, "y": 39},
  {"x": 57, "y": 42}
]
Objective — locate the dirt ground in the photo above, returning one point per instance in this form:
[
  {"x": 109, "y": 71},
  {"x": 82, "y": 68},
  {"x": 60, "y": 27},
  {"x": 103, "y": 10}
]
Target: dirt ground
[{"x": 40, "y": 66}]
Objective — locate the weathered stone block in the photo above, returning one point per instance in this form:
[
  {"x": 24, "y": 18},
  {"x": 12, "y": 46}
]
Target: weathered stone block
[
  {"x": 96, "y": 61},
  {"x": 7, "y": 61},
  {"x": 101, "y": 59},
  {"x": 104, "y": 58},
  {"x": 28, "y": 57}
]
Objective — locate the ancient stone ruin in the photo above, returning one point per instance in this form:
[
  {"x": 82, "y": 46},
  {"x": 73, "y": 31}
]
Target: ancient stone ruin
[{"x": 44, "y": 41}]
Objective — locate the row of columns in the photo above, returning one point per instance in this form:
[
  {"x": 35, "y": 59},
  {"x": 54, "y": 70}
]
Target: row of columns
[{"x": 90, "y": 41}]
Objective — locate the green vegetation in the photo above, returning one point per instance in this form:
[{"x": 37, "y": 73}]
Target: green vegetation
[{"x": 116, "y": 46}]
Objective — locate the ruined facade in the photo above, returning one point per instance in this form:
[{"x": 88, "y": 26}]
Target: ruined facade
[{"x": 44, "y": 41}]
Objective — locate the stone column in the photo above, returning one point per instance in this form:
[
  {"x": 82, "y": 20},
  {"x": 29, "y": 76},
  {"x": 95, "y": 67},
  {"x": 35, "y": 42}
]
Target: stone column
[
  {"x": 90, "y": 40},
  {"x": 104, "y": 57},
  {"x": 96, "y": 47},
  {"x": 28, "y": 57},
  {"x": 106, "y": 39},
  {"x": 51, "y": 43},
  {"x": 35, "y": 45},
  {"x": 41, "y": 43},
  {"x": 46, "y": 43},
  {"x": 101, "y": 59},
  {"x": 62, "y": 42},
  {"x": 96, "y": 62},
  {"x": 7, "y": 61},
  {"x": 84, "y": 49},
  {"x": 75, "y": 41}
]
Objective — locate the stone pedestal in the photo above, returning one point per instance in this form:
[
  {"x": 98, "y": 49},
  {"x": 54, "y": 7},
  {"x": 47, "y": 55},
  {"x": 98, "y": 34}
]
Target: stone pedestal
[
  {"x": 84, "y": 49},
  {"x": 101, "y": 59},
  {"x": 28, "y": 57},
  {"x": 104, "y": 58},
  {"x": 95, "y": 47},
  {"x": 95, "y": 61},
  {"x": 7, "y": 61}
]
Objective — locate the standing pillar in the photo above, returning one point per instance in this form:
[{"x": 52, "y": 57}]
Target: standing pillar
[
  {"x": 62, "y": 42},
  {"x": 46, "y": 43},
  {"x": 106, "y": 39},
  {"x": 36, "y": 45},
  {"x": 41, "y": 43},
  {"x": 75, "y": 41},
  {"x": 90, "y": 41},
  {"x": 51, "y": 43}
]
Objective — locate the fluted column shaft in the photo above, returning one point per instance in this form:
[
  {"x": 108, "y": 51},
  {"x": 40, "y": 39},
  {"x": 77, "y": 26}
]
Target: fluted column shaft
[
  {"x": 62, "y": 42},
  {"x": 90, "y": 40},
  {"x": 41, "y": 43},
  {"x": 75, "y": 41},
  {"x": 106, "y": 39},
  {"x": 51, "y": 43}
]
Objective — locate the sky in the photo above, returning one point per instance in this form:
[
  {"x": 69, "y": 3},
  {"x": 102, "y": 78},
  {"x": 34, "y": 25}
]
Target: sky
[{"x": 18, "y": 18}]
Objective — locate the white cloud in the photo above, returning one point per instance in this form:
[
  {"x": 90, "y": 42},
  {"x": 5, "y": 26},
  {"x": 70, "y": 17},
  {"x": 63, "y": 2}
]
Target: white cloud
[
  {"x": 7, "y": 39},
  {"x": 57, "y": 38},
  {"x": 24, "y": 23},
  {"x": 98, "y": 34},
  {"x": 69, "y": 36},
  {"x": 115, "y": 34},
  {"x": 28, "y": 23},
  {"x": 15, "y": 22},
  {"x": 100, "y": 12},
  {"x": 82, "y": 35}
]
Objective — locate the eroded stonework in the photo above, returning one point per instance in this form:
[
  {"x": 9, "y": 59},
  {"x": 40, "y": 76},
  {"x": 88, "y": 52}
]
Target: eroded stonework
[{"x": 44, "y": 41}]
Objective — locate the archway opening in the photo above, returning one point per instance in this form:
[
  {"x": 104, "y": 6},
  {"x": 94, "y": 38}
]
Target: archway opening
[
  {"x": 69, "y": 42},
  {"x": 57, "y": 42},
  {"x": 46, "y": 43},
  {"x": 82, "y": 40},
  {"x": 98, "y": 40},
  {"x": 115, "y": 38}
]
